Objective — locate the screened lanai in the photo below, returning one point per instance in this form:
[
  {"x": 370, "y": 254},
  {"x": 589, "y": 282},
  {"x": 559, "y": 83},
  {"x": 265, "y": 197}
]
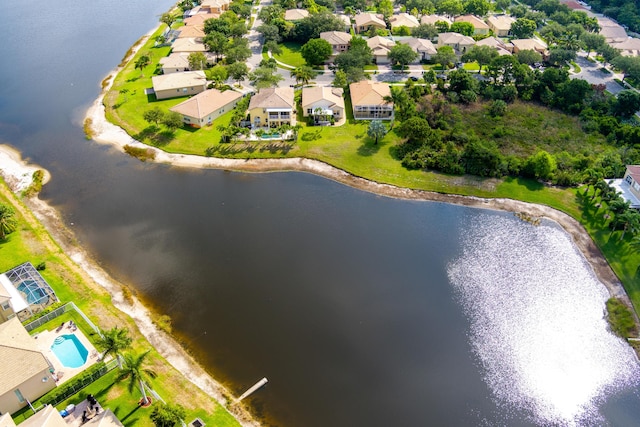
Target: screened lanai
[{"x": 29, "y": 292}]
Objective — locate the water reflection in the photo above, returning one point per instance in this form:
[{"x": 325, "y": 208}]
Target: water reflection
[{"x": 537, "y": 322}]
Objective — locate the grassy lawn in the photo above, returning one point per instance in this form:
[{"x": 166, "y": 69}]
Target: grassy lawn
[
  {"x": 291, "y": 54},
  {"x": 31, "y": 242},
  {"x": 471, "y": 66},
  {"x": 371, "y": 67},
  {"x": 524, "y": 127}
]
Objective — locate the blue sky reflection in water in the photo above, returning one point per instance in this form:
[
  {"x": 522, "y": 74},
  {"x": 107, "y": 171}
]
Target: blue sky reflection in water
[{"x": 537, "y": 322}]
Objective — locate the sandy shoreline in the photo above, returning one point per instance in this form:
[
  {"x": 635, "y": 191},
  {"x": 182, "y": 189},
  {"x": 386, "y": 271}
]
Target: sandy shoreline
[{"x": 17, "y": 174}]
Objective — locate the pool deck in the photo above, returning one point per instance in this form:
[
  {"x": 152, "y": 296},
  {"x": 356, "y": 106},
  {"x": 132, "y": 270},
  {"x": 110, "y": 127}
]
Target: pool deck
[{"x": 44, "y": 341}]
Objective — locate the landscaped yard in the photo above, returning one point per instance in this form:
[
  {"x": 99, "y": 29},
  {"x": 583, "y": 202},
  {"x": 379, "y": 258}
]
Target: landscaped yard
[
  {"x": 291, "y": 54},
  {"x": 31, "y": 242}
]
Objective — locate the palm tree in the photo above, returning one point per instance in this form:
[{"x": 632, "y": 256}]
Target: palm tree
[
  {"x": 591, "y": 177},
  {"x": 303, "y": 74},
  {"x": 133, "y": 369},
  {"x": 601, "y": 186},
  {"x": 142, "y": 62},
  {"x": 619, "y": 206},
  {"x": 376, "y": 130},
  {"x": 113, "y": 341},
  {"x": 630, "y": 221},
  {"x": 8, "y": 222}
]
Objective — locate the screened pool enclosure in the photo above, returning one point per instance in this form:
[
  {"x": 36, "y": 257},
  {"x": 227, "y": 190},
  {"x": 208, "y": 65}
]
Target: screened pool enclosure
[{"x": 27, "y": 290}]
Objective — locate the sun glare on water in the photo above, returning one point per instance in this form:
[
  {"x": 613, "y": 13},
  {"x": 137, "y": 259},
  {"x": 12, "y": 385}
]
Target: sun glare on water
[{"x": 538, "y": 327}]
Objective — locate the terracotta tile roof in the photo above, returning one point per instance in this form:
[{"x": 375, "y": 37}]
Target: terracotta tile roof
[
  {"x": 187, "y": 44},
  {"x": 311, "y": 95},
  {"x": 477, "y": 23},
  {"x": 501, "y": 22},
  {"x": 420, "y": 45},
  {"x": 178, "y": 80},
  {"x": 19, "y": 355},
  {"x": 336, "y": 37},
  {"x": 404, "y": 19},
  {"x": 205, "y": 103},
  {"x": 193, "y": 31},
  {"x": 432, "y": 19},
  {"x": 295, "y": 14},
  {"x": 367, "y": 92},
  {"x": 279, "y": 97},
  {"x": 364, "y": 19}
]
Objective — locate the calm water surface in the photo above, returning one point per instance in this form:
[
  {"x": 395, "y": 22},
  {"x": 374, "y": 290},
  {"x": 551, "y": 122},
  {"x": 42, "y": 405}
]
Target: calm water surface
[{"x": 359, "y": 309}]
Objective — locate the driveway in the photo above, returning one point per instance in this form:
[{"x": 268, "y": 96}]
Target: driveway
[{"x": 592, "y": 73}]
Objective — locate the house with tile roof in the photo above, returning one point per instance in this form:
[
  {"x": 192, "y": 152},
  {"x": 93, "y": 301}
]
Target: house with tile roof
[
  {"x": 368, "y": 100},
  {"x": 629, "y": 47},
  {"x": 380, "y": 48},
  {"x": 457, "y": 41},
  {"x": 344, "y": 18},
  {"x": 179, "y": 84},
  {"x": 500, "y": 24},
  {"x": 272, "y": 107},
  {"x": 530, "y": 44},
  {"x": 338, "y": 40},
  {"x": 366, "y": 21},
  {"x": 191, "y": 31},
  {"x": 323, "y": 103},
  {"x": 202, "y": 109},
  {"x": 188, "y": 45},
  {"x": 423, "y": 47},
  {"x": 480, "y": 27},
  {"x": 502, "y": 47},
  {"x": 403, "y": 20},
  {"x": 175, "y": 63},
  {"x": 46, "y": 417},
  {"x": 432, "y": 19},
  {"x": 24, "y": 372},
  {"x": 199, "y": 18},
  {"x": 295, "y": 14},
  {"x": 214, "y": 6}
]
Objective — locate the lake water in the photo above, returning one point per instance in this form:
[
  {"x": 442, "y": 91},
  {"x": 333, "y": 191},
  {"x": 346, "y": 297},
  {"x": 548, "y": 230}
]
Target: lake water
[{"x": 361, "y": 310}]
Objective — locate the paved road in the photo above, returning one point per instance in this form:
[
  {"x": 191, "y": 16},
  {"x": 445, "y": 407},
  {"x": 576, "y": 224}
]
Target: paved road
[{"x": 592, "y": 73}]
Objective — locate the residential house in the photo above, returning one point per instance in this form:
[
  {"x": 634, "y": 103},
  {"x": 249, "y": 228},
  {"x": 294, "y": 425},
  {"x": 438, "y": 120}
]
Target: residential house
[
  {"x": 530, "y": 44},
  {"x": 457, "y": 41},
  {"x": 502, "y": 47},
  {"x": 480, "y": 27},
  {"x": 629, "y": 47},
  {"x": 295, "y": 14},
  {"x": 46, "y": 417},
  {"x": 205, "y": 107},
  {"x": 214, "y": 6},
  {"x": 175, "y": 63},
  {"x": 629, "y": 185},
  {"x": 23, "y": 292},
  {"x": 338, "y": 40},
  {"x": 345, "y": 19},
  {"x": 366, "y": 21},
  {"x": 191, "y": 31},
  {"x": 179, "y": 84},
  {"x": 432, "y": 19},
  {"x": 423, "y": 47},
  {"x": 380, "y": 47},
  {"x": 272, "y": 107},
  {"x": 500, "y": 24},
  {"x": 188, "y": 45},
  {"x": 368, "y": 100},
  {"x": 611, "y": 30},
  {"x": 24, "y": 372},
  {"x": 403, "y": 20},
  {"x": 198, "y": 19},
  {"x": 323, "y": 103},
  {"x": 6, "y": 310}
]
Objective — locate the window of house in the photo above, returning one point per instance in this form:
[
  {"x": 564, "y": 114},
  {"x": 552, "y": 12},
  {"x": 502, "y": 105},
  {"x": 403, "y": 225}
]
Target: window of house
[
  {"x": 6, "y": 306},
  {"x": 19, "y": 395}
]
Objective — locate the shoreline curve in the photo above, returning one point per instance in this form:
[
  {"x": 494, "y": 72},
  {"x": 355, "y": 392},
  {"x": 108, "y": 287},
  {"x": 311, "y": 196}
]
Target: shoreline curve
[{"x": 106, "y": 132}]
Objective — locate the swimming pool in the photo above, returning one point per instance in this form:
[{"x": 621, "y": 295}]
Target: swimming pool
[
  {"x": 70, "y": 351},
  {"x": 35, "y": 294}
]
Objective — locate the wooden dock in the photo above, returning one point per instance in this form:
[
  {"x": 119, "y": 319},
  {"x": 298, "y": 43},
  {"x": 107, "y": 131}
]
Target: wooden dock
[{"x": 255, "y": 387}]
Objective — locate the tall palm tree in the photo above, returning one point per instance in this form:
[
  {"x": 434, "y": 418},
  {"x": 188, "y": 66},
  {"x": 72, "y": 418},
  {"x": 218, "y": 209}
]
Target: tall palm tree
[
  {"x": 629, "y": 220},
  {"x": 8, "y": 222},
  {"x": 303, "y": 74},
  {"x": 133, "y": 369},
  {"x": 113, "y": 341}
]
